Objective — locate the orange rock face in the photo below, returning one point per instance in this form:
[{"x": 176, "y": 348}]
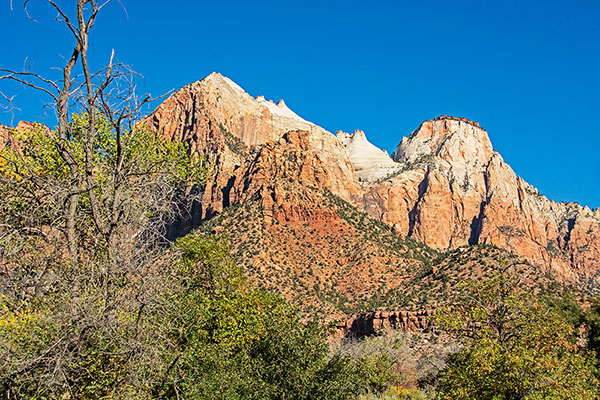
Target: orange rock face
[
  {"x": 447, "y": 187},
  {"x": 380, "y": 321},
  {"x": 456, "y": 190},
  {"x": 223, "y": 123},
  {"x": 279, "y": 168}
]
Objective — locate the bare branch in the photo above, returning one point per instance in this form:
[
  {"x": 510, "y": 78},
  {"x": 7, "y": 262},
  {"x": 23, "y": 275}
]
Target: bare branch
[
  {"x": 28, "y": 74},
  {"x": 26, "y": 83},
  {"x": 65, "y": 20},
  {"x": 124, "y": 9},
  {"x": 25, "y": 3}
]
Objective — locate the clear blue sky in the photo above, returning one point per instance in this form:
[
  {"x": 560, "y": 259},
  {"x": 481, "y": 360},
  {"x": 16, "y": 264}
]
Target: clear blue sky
[{"x": 528, "y": 71}]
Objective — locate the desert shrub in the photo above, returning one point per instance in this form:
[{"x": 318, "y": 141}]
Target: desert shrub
[{"x": 234, "y": 341}]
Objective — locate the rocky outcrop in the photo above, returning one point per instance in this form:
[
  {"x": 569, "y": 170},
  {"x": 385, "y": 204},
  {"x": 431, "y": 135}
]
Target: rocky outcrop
[
  {"x": 444, "y": 186},
  {"x": 379, "y": 321},
  {"x": 454, "y": 189},
  {"x": 279, "y": 173},
  {"x": 370, "y": 162},
  {"x": 224, "y": 124}
]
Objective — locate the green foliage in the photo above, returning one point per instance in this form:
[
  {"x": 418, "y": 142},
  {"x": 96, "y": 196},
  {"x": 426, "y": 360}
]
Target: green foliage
[
  {"x": 516, "y": 347},
  {"x": 234, "y": 341},
  {"x": 78, "y": 327},
  {"x": 565, "y": 305},
  {"x": 592, "y": 321},
  {"x": 132, "y": 176}
]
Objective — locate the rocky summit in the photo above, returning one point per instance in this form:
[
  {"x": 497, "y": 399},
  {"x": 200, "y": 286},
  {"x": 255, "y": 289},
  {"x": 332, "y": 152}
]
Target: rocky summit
[
  {"x": 453, "y": 189},
  {"x": 444, "y": 186}
]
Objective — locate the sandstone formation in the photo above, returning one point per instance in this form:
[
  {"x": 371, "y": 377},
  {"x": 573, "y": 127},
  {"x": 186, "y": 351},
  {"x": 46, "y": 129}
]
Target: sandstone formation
[
  {"x": 454, "y": 190},
  {"x": 445, "y": 185},
  {"x": 378, "y": 321},
  {"x": 223, "y": 123},
  {"x": 370, "y": 162},
  {"x": 278, "y": 173}
]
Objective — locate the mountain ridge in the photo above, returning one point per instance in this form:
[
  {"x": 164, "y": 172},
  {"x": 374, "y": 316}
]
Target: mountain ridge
[{"x": 444, "y": 185}]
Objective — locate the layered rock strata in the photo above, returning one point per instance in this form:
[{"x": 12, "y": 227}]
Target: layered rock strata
[
  {"x": 380, "y": 321},
  {"x": 224, "y": 124},
  {"x": 444, "y": 186},
  {"x": 454, "y": 189}
]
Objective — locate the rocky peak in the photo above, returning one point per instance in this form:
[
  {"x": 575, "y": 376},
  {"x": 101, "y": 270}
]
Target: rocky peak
[
  {"x": 457, "y": 141},
  {"x": 454, "y": 189},
  {"x": 225, "y": 124},
  {"x": 216, "y": 104},
  {"x": 222, "y": 83},
  {"x": 369, "y": 161},
  {"x": 462, "y": 119}
]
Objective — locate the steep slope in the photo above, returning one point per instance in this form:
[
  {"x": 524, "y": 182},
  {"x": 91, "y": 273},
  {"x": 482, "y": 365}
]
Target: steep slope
[
  {"x": 454, "y": 189},
  {"x": 445, "y": 186},
  {"x": 223, "y": 123},
  {"x": 370, "y": 162}
]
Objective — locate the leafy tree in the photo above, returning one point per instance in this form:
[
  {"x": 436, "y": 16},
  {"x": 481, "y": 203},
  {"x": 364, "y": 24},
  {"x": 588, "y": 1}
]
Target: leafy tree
[
  {"x": 74, "y": 325},
  {"x": 566, "y": 306},
  {"x": 84, "y": 212},
  {"x": 515, "y": 346},
  {"x": 234, "y": 341}
]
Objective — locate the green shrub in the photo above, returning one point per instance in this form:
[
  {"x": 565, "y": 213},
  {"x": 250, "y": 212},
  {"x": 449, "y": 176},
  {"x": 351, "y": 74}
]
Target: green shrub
[{"x": 234, "y": 341}]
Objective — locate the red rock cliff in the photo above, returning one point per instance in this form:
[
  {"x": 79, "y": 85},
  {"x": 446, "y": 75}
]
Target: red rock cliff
[
  {"x": 446, "y": 186},
  {"x": 453, "y": 189}
]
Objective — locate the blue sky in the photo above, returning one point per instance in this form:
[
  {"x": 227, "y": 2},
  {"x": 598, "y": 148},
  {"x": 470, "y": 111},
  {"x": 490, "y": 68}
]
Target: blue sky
[{"x": 528, "y": 71}]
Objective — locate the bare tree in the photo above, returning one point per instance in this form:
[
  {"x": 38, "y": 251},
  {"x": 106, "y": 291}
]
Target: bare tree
[{"x": 85, "y": 210}]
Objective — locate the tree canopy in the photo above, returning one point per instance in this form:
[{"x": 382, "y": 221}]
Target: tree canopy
[{"x": 515, "y": 346}]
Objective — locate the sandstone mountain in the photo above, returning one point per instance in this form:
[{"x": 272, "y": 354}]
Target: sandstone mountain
[
  {"x": 295, "y": 236},
  {"x": 339, "y": 226},
  {"x": 454, "y": 189},
  {"x": 444, "y": 186},
  {"x": 223, "y": 123}
]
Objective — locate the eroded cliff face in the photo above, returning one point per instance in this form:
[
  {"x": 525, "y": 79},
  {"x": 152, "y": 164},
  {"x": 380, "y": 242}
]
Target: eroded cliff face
[
  {"x": 444, "y": 186},
  {"x": 225, "y": 124},
  {"x": 454, "y": 189},
  {"x": 279, "y": 175},
  {"x": 379, "y": 321}
]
